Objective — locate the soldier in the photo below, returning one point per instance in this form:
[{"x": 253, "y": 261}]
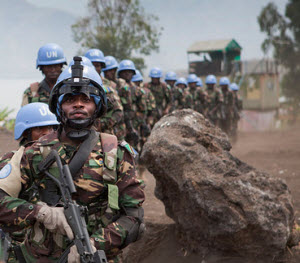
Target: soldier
[
  {"x": 170, "y": 79},
  {"x": 126, "y": 89},
  {"x": 32, "y": 122},
  {"x": 161, "y": 92},
  {"x": 202, "y": 95},
  {"x": 227, "y": 106},
  {"x": 50, "y": 61},
  {"x": 181, "y": 94},
  {"x": 237, "y": 109},
  {"x": 197, "y": 94},
  {"x": 111, "y": 66},
  {"x": 214, "y": 100},
  {"x": 105, "y": 179},
  {"x": 97, "y": 58},
  {"x": 147, "y": 120},
  {"x": 113, "y": 121}
]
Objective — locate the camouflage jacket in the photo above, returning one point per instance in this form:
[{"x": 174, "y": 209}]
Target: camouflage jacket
[
  {"x": 199, "y": 99},
  {"x": 17, "y": 213},
  {"x": 228, "y": 102},
  {"x": 126, "y": 95},
  {"x": 214, "y": 101},
  {"x": 178, "y": 101},
  {"x": 188, "y": 100},
  {"x": 37, "y": 92},
  {"x": 163, "y": 96},
  {"x": 114, "y": 114}
]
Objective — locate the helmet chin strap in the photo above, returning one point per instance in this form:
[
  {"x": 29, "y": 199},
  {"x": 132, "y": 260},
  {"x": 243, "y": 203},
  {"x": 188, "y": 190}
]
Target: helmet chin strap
[{"x": 79, "y": 129}]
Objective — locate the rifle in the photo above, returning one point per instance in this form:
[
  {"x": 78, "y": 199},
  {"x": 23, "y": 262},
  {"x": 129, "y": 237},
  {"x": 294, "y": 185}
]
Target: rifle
[
  {"x": 74, "y": 213},
  {"x": 5, "y": 245}
]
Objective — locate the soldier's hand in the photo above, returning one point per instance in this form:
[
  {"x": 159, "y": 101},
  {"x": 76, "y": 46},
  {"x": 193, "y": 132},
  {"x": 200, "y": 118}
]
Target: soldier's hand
[
  {"x": 53, "y": 218},
  {"x": 74, "y": 256}
]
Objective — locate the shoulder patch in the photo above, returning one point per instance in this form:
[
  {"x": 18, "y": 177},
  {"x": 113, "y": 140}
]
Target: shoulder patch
[
  {"x": 129, "y": 148},
  {"x": 5, "y": 171}
]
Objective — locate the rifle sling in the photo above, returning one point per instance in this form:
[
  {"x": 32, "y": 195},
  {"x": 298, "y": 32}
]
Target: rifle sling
[{"x": 83, "y": 152}]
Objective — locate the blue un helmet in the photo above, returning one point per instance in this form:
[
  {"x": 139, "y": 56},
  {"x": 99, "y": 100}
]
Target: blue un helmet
[
  {"x": 95, "y": 55},
  {"x": 211, "y": 79},
  {"x": 126, "y": 64},
  {"x": 32, "y": 115},
  {"x": 234, "y": 87},
  {"x": 110, "y": 63},
  {"x": 224, "y": 81},
  {"x": 192, "y": 78},
  {"x": 171, "y": 75},
  {"x": 137, "y": 77},
  {"x": 199, "y": 82},
  {"x": 181, "y": 81},
  {"x": 155, "y": 73},
  {"x": 50, "y": 54},
  {"x": 85, "y": 62},
  {"x": 74, "y": 80}
]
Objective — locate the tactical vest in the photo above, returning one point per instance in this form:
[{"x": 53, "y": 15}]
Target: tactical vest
[{"x": 109, "y": 145}]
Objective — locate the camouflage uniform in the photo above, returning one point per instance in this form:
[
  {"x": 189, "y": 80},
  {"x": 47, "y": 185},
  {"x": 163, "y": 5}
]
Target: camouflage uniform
[
  {"x": 113, "y": 121},
  {"x": 237, "y": 108},
  {"x": 163, "y": 98},
  {"x": 214, "y": 102},
  {"x": 126, "y": 93},
  {"x": 19, "y": 236},
  {"x": 19, "y": 212},
  {"x": 178, "y": 100},
  {"x": 188, "y": 100},
  {"x": 37, "y": 92},
  {"x": 227, "y": 112},
  {"x": 145, "y": 104}
]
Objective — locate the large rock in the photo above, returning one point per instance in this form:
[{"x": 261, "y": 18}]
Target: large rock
[{"x": 218, "y": 202}]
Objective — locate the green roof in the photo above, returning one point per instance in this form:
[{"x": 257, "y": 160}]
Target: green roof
[{"x": 214, "y": 45}]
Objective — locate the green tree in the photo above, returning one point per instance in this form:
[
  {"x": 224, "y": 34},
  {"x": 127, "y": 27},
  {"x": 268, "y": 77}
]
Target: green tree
[
  {"x": 120, "y": 28},
  {"x": 283, "y": 37}
]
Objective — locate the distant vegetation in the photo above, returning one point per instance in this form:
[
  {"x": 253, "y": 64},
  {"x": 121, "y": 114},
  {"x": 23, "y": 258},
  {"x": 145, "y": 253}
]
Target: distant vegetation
[{"x": 5, "y": 122}]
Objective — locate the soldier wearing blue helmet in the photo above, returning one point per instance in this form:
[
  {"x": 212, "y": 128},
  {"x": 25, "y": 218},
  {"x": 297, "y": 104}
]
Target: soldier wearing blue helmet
[
  {"x": 102, "y": 171},
  {"x": 50, "y": 60},
  {"x": 32, "y": 122},
  {"x": 113, "y": 121},
  {"x": 129, "y": 97},
  {"x": 180, "y": 93},
  {"x": 227, "y": 106},
  {"x": 198, "y": 95},
  {"x": 144, "y": 120},
  {"x": 237, "y": 110},
  {"x": 162, "y": 93},
  {"x": 214, "y": 100},
  {"x": 111, "y": 66},
  {"x": 96, "y": 56}
]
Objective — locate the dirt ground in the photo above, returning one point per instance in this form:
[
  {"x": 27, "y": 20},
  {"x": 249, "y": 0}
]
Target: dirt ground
[{"x": 275, "y": 152}]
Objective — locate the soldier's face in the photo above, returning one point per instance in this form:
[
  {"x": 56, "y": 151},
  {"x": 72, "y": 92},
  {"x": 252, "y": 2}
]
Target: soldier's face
[
  {"x": 98, "y": 67},
  {"x": 181, "y": 86},
  {"x": 110, "y": 74},
  {"x": 224, "y": 88},
  {"x": 78, "y": 107},
  {"x": 155, "y": 80},
  {"x": 171, "y": 82},
  {"x": 193, "y": 85},
  {"x": 137, "y": 83},
  {"x": 210, "y": 86},
  {"x": 38, "y": 132},
  {"x": 126, "y": 74},
  {"x": 52, "y": 72}
]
